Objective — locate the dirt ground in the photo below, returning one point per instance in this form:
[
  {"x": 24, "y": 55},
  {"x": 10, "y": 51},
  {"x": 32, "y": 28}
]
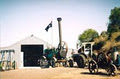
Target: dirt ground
[{"x": 55, "y": 73}]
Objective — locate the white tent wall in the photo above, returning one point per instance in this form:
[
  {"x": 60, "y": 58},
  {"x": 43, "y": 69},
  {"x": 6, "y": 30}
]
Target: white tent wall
[{"x": 16, "y": 56}]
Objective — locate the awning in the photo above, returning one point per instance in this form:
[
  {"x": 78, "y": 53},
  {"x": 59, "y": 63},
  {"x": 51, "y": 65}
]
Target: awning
[{"x": 10, "y": 50}]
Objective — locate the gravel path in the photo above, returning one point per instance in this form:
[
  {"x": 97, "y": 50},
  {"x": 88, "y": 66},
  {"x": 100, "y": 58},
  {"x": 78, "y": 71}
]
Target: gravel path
[{"x": 55, "y": 73}]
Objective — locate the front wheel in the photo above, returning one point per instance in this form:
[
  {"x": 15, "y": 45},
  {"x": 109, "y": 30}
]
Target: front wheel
[
  {"x": 71, "y": 63},
  {"x": 44, "y": 62},
  {"x": 93, "y": 67},
  {"x": 53, "y": 61}
]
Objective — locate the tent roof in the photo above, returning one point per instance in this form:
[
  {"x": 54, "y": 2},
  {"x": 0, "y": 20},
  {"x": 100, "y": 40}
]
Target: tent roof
[{"x": 30, "y": 40}]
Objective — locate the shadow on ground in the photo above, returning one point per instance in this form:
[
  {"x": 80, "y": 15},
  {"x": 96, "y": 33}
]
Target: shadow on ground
[{"x": 99, "y": 73}]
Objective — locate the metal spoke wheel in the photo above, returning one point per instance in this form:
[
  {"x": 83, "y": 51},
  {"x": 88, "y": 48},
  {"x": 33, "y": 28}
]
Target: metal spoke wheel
[
  {"x": 112, "y": 70},
  {"x": 65, "y": 63},
  {"x": 93, "y": 67},
  {"x": 44, "y": 62},
  {"x": 64, "y": 49}
]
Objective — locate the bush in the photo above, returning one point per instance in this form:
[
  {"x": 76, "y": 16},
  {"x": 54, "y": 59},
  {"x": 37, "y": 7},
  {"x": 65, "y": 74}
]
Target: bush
[{"x": 0, "y": 67}]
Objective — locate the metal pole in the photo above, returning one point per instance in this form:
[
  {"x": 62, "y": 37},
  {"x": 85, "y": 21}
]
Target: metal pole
[{"x": 60, "y": 33}]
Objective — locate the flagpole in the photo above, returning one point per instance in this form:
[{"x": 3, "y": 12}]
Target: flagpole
[{"x": 52, "y": 33}]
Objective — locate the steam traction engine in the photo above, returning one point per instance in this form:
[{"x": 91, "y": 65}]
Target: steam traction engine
[
  {"x": 55, "y": 55},
  {"x": 103, "y": 61}
]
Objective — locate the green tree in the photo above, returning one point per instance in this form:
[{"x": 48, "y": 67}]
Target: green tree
[
  {"x": 88, "y": 35},
  {"x": 114, "y": 21},
  {"x": 104, "y": 34}
]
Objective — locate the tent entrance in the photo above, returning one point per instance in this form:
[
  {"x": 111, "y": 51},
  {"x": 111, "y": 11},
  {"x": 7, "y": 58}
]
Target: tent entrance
[{"x": 31, "y": 54}]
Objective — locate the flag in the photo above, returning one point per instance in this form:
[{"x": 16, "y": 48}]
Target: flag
[{"x": 49, "y": 26}]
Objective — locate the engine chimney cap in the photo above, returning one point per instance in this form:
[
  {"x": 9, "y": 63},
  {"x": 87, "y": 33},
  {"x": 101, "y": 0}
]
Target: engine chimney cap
[{"x": 59, "y": 18}]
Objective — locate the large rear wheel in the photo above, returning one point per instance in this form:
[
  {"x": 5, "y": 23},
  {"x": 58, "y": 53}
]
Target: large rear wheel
[
  {"x": 112, "y": 70},
  {"x": 80, "y": 62},
  {"x": 102, "y": 60}
]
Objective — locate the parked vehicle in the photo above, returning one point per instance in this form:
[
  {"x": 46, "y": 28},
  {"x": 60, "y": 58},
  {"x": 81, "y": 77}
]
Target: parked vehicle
[
  {"x": 103, "y": 61},
  {"x": 53, "y": 56},
  {"x": 84, "y": 54}
]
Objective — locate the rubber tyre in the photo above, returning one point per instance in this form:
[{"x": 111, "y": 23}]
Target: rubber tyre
[
  {"x": 71, "y": 63},
  {"x": 44, "y": 63},
  {"x": 80, "y": 62}
]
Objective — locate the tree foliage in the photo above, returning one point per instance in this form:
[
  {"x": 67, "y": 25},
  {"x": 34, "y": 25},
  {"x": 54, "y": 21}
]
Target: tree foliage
[
  {"x": 104, "y": 34},
  {"x": 114, "y": 21},
  {"x": 110, "y": 39},
  {"x": 88, "y": 35},
  {"x": 113, "y": 42},
  {"x": 100, "y": 41}
]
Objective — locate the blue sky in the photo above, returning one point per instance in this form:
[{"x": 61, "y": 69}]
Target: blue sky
[{"x": 22, "y": 18}]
